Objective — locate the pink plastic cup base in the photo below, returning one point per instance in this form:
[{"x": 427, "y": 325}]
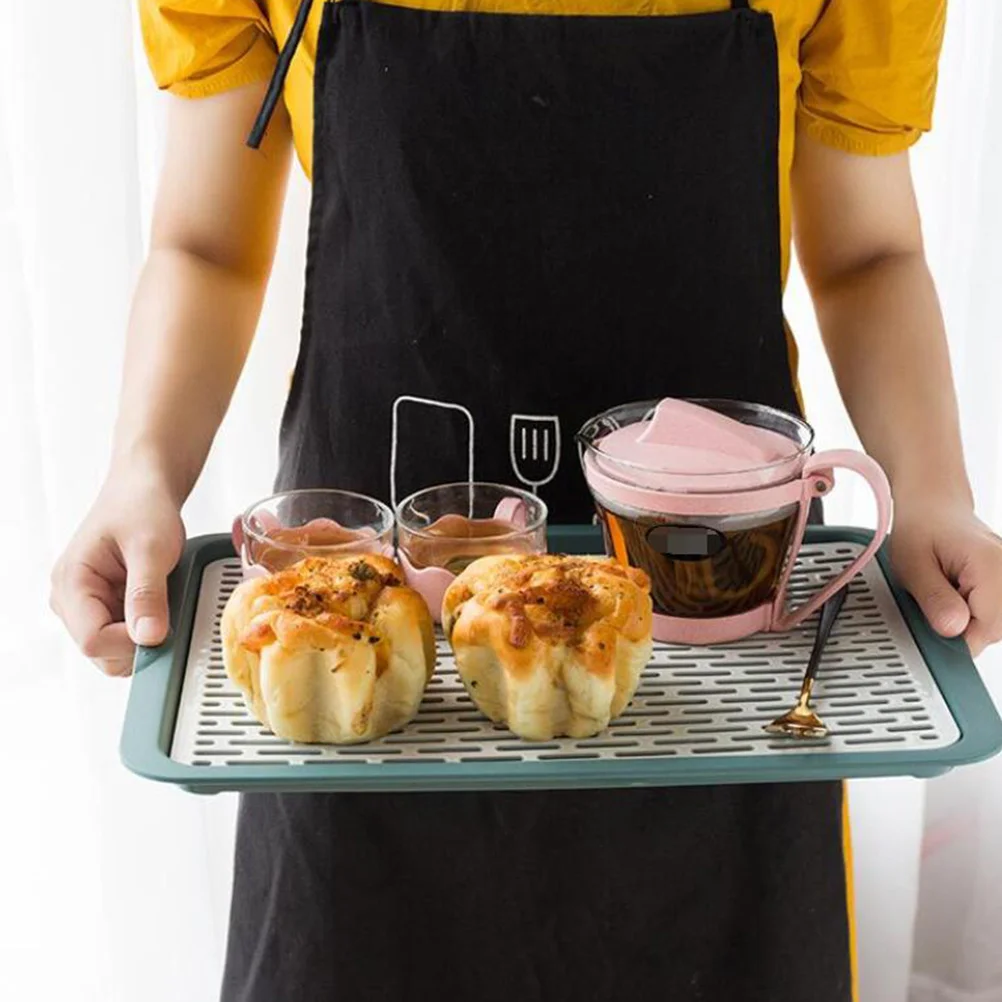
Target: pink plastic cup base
[{"x": 707, "y": 632}]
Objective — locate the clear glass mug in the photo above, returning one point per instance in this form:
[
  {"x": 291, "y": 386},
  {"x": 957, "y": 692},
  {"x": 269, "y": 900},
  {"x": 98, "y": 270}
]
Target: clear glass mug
[
  {"x": 719, "y": 547},
  {"x": 442, "y": 530},
  {"x": 285, "y": 528}
]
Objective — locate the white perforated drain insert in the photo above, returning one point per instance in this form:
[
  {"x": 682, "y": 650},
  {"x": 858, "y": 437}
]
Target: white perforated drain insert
[{"x": 874, "y": 691}]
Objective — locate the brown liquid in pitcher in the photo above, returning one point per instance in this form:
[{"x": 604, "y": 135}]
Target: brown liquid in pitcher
[{"x": 743, "y": 575}]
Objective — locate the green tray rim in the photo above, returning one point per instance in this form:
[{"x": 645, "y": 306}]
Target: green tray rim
[{"x": 156, "y": 687}]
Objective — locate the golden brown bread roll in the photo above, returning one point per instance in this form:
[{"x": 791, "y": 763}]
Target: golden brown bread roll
[
  {"x": 549, "y": 645},
  {"x": 332, "y": 650}
]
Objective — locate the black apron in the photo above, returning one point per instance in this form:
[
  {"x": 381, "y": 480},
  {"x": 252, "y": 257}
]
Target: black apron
[{"x": 517, "y": 222}]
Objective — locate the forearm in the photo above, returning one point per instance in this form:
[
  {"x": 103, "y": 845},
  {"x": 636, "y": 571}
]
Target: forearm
[
  {"x": 883, "y": 331},
  {"x": 199, "y": 296},
  {"x": 859, "y": 241},
  {"x": 191, "y": 327}
]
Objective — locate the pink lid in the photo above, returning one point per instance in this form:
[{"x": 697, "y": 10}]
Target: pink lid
[{"x": 683, "y": 443}]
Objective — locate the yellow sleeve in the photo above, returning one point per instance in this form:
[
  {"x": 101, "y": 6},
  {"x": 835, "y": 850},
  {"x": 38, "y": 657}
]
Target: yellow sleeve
[
  {"x": 869, "y": 73},
  {"x": 201, "y": 47}
]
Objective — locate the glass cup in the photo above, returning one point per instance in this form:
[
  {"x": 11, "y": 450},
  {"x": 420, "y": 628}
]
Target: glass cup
[
  {"x": 281, "y": 530},
  {"x": 719, "y": 547},
  {"x": 442, "y": 530}
]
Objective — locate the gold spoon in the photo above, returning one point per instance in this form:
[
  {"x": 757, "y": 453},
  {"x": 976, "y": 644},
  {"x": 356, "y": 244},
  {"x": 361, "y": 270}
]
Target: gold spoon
[{"x": 802, "y": 721}]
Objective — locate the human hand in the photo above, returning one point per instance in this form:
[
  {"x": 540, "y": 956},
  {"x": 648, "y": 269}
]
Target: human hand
[
  {"x": 951, "y": 562},
  {"x": 110, "y": 585}
]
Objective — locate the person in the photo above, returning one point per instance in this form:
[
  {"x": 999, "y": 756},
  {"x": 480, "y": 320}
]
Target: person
[{"x": 534, "y": 211}]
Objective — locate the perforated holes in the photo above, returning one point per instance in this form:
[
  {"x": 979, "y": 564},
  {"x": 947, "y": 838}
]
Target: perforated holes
[
  {"x": 875, "y": 740},
  {"x": 713, "y": 699},
  {"x": 406, "y": 738}
]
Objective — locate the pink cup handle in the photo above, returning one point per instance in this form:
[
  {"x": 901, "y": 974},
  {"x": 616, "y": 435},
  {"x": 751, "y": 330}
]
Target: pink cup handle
[
  {"x": 431, "y": 583},
  {"x": 818, "y": 481},
  {"x": 512, "y": 510},
  {"x": 237, "y": 535}
]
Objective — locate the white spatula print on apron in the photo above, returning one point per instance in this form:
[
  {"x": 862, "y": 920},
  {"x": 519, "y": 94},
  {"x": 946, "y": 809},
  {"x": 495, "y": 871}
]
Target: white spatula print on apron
[{"x": 534, "y": 442}]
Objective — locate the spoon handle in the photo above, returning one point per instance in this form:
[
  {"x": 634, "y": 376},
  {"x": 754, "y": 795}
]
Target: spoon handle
[{"x": 829, "y": 613}]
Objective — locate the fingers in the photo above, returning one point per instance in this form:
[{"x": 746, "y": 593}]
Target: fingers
[
  {"x": 110, "y": 585},
  {"x": 986, "y": 622},
  {"x": 115, "y": 667},
  {"x": 86, "y": 604},
  {"x": 976, "y": 639},
  {"x": 148, "y": 562},
  {"x": 983, "y": 576},
  {"x": 941, "y": 603}
]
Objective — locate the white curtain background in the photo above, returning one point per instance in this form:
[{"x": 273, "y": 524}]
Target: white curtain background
[{"x": 113, "y": 889}]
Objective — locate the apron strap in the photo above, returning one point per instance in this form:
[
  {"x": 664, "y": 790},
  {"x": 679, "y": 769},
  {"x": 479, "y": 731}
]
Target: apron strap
[
  {"x": 739, "y": 5},
  {"x": 281, "y": 71}
]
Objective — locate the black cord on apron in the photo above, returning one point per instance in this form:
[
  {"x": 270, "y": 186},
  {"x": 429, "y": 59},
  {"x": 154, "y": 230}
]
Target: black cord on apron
[
  {"x": 278, "y": 76},
  {"x": 285, "y": 58}
]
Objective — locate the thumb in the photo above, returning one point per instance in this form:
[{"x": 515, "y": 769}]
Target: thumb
[
  {"x": 147, "y": 564},
  {"x": 941, "y": 603}
]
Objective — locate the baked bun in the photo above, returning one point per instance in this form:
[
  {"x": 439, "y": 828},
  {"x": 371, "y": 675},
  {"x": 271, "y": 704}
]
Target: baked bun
[
  {"x": 332, "y": 650},
  {"x": 549, "y": 645}
]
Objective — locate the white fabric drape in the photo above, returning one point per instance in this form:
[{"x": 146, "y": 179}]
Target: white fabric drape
[
  {"x": 935, "y": 939},
  {"x": 114, "y": 889}
]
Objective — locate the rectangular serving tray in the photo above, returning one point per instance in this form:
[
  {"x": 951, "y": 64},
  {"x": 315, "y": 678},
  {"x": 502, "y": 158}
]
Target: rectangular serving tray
[{"x": 899, "y": 699}]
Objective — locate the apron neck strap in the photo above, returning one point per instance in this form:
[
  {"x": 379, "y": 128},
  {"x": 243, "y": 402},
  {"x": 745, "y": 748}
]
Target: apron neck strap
[
  {"x": 281, "y": 71},
  {"x": 739, "y": 5}
]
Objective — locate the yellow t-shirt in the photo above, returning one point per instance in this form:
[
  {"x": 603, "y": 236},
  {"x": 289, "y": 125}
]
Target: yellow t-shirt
[{"x": 859, "y": 75}]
